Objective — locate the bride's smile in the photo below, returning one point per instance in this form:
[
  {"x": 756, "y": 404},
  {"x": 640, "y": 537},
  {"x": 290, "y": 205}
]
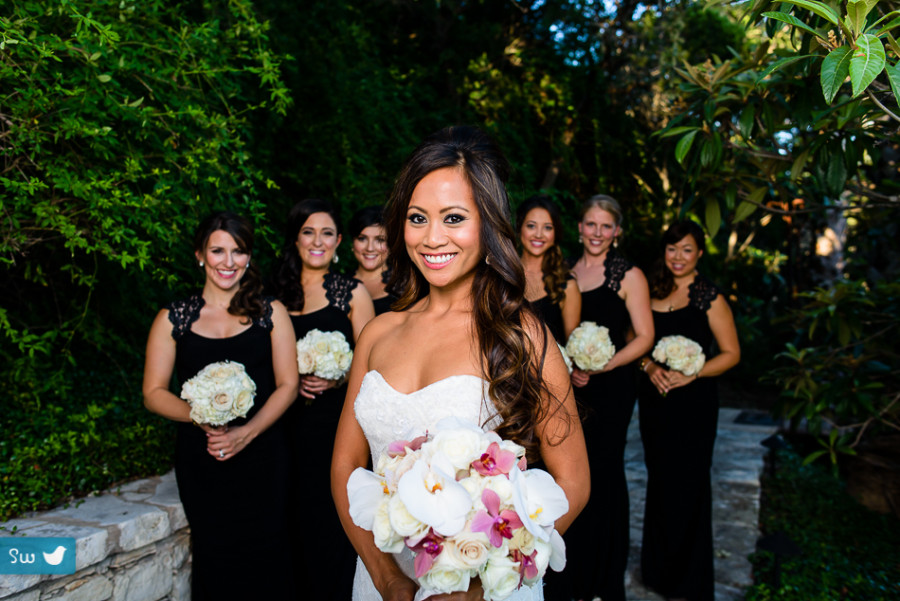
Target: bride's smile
[{"x": 443, "y": 228}]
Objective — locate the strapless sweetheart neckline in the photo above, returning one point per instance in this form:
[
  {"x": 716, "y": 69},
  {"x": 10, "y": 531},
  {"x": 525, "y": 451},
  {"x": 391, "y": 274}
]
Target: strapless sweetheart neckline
[{"x": 375, "y": 372}]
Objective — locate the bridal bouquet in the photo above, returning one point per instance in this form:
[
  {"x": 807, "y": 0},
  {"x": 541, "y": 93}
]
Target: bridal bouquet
[
  {"x": 679, "y": 353},
  {"x": 590, "y": 347},
  {"x": 461, "y": 500},
  {"x": 324, "y": 354},
  {"x": 219, "y": 393}
]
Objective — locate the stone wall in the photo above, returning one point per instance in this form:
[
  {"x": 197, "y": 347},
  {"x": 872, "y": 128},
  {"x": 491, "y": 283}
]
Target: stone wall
[{"x": 132, "y": 544}]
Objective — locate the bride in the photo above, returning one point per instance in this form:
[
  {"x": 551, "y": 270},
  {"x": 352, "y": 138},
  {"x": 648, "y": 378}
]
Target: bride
[{"x": 461, "y": 344}]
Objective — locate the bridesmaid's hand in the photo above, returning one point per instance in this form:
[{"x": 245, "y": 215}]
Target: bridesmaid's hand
[
  {"x": 229, "y": 443},
  {"x": 312, "y": 386},
  {"x": 659, "y": 376},
  {"x": 579, "y": 378},
  {"x": 212, "y": 429},
  {"x": 677, "y": 379}
]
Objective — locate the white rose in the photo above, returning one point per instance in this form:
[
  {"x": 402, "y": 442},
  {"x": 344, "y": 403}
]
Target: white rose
[
  {"x": 467, "y": 550},
  {"x": 386, "y": 538},
  {"x": 243, "y": 403},
  {"x": 222, "y": 401},
  {"x": 445, "y": 577},
  {"x": 499, "y": 577},
  {"x": 402, "y": 521},
  {"x": 675, "y": 352},
  {"x": 523, "y": 540},
  {"x": 305, "y": 361},
  {"x": 460, "y": 446}
]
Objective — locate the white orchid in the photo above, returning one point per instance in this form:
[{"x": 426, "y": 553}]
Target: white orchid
[
  {"x": 538, "y": 500},
  {"x": 432, "y": 495}
]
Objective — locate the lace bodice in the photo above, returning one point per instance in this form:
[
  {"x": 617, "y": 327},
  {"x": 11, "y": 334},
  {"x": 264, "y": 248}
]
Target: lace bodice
[
  {"x": 702, "y": 293},
  {"x": 386, "y": 415},
  {"x": 184, "y": 312}
]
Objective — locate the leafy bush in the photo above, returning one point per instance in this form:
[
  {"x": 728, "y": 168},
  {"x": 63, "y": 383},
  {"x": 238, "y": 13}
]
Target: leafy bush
[
  {"x": 122, "y": 123},
  {"x": 100, "y": 436},
  {"x": 848, "y": 552},
  {"x": 841, "y": 374}
]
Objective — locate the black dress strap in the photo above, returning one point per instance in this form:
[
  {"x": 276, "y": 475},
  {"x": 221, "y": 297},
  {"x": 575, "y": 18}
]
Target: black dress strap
[
  {"x": 184, "y": 312},
  {"x": 702, "y": 293},
  {"x": 339, "y": 290},
  {"x": 615, "y": 266},
  {"x": 265, "y": 319}
]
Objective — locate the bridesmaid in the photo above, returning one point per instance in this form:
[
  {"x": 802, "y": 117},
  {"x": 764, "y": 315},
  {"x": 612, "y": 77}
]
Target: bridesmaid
[
  {"x": 370, "y": 250},
  {"x": 232, "y": 479},
  {"x": 679, "y": 431},
  {"x": 317, "y": 298},
  {"x": 549, "y": 286},
  {"x": 614, "y": 294}
]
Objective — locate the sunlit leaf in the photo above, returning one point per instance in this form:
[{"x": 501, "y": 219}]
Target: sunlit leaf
[
  {"x": 792, "y": 20},
  {"x": 684, "y": 145},
  {"x": 857, "y": 10},
  {"x": 893, "y": 74},
  {"x": 867, "y": 62},
  {"x": 675, "y": 131},
  {"x": 835, "y": 69},
  {"x": 819, "y": 8},
  {"x": 892, "y": 25}
]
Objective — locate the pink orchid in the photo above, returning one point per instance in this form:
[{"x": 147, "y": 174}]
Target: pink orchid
[
  {"x": 527, "y": 565},
  {"x": 399, "y": 447},
  {"x": 493, "y": 522},
  {"x": 426, "y": 549},
  {"x": 494, "y": 461}
]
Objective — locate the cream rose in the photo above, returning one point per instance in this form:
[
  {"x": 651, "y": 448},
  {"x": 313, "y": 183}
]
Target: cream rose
[
  {"x": 461, "y": 447},
  {"x": 402, "y": 521},
  {"x": 444, "y": 576},
  {"x": 386, "y": 538},
  {"x": 500, "y": 576},
  {"x": 467, "y": 550}
]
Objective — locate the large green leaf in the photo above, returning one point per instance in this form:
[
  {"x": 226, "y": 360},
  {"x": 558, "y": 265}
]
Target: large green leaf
[
  {"x": 677, "y": 130},
  {"x": 684, "y": 145},
  {"x": 792, "y": 20},
  {"x": 867, "y": 62},
  {"x": 713, "y": 217},
  {"x": 835, "y": 69},
  {"x": 819, "y": 8},
  {"x": 746, "y": 208},
  {"x": 836, "y": 174},
  {"x": 893, "y": 73},
  {"x": 745, "y": 122},
  {"x": 857, "y": 10},
  {"x": 885, "y": 28},
  {"x": 798, "y": 165}
]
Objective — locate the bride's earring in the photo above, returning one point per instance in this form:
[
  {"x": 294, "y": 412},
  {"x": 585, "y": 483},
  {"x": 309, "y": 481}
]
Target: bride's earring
[{"x": 487, "y": 259}]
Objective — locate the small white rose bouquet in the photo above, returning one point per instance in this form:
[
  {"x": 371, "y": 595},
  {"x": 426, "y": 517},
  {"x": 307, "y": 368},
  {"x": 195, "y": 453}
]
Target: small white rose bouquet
[
  {"x": 680, "y": 354},
  {"x": 324, "y": 354},
  {"x": 219, "y": 393},
  {"x": 590, "y": 347},
  {"x": 461, "y": 500}
]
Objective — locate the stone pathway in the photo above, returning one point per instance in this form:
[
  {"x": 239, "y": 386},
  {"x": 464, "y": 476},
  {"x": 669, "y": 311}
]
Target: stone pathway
[{"x": 737, "y": 466}]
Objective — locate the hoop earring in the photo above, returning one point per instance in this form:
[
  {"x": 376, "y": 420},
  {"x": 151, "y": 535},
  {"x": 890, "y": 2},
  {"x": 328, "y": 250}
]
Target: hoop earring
[{"x": 487, "y": 259}]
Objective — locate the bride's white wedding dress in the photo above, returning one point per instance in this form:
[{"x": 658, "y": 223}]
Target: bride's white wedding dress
[{"x": 386, "y": 415}]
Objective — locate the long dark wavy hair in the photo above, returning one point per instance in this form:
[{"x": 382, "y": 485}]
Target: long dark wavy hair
[
  {"x": 287, "y": 285},
  {"x": 365, "y": 217},
  {"x": 247, "y": 301},
  {"x": 661, "y": 280},
  {"x": 500, "y": 313},
  {"x": 553, "y": 264}
]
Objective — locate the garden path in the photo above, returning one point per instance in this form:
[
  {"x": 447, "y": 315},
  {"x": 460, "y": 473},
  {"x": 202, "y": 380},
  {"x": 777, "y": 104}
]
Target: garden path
[{"x": 737, "y": 467}]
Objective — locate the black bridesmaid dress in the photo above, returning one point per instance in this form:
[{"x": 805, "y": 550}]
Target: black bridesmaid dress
[
  {"x": 678, "y": 433},
  {"x": 383, "y": 304},
  {"x": 597, "y": 542},
  {"x": 325, "y": 561},
  {"x": 236, "y": 509},
  {"x": 551, "y": 314}
]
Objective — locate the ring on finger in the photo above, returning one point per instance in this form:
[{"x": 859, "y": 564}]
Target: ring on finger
[{"x": 221, "y": 453}]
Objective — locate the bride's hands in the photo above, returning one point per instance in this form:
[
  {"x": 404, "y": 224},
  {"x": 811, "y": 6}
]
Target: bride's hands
[
  {"x": 400, "y": 588},
  {"x": 312, "y": 386}
]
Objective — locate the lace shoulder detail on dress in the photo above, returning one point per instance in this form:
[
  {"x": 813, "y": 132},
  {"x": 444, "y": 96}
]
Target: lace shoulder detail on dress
[
  {"x": 265, "y": 320},
  {"x": 339, "y": 290},
  {"x": 182, "y": 313},
  {"x": 702, "y": 293},
  {"x": 616, "y": 267}
]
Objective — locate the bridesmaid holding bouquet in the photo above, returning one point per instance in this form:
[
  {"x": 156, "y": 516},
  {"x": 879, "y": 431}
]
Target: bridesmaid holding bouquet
[{"x": 678, "y": 415}]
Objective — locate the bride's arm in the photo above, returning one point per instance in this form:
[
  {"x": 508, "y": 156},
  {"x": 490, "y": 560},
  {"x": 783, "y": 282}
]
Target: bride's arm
[
  {"x": 351, "y": 450},
  {"x": 561, "y": 438}
]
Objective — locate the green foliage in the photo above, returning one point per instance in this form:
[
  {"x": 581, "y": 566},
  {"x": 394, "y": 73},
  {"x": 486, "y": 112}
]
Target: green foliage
[
  {"x": 842, "y": 371},
  {"x": 100, "y": 435},
  {"x": 848, "y": 552}
]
